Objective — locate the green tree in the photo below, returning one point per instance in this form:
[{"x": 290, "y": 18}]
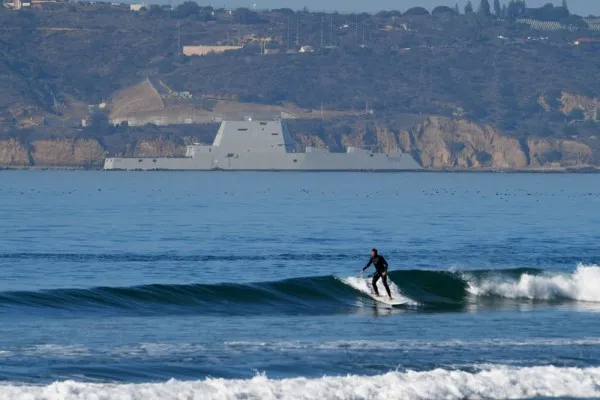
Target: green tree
[
  {"x": 416, "y": 11},
  {"x": 516, "y": 8},
  {"x": 497, "y": 8},
  {"x": 457, "y": 9},
  {"x": 484, "y": 8},
  {"x": 186, "y": 9},
  {"x": 565, "y": 5},
  {"x": 245, "y": 16},
  {"x": 469, "y": 7},
  {"x": 443, "y": 10}
]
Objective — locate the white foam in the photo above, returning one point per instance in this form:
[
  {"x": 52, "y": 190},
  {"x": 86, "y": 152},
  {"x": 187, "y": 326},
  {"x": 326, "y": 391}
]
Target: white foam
[
  {"x": 146, "y": 351},
  {"x": 158, "y": 350},
  {"x": 363, "y": 285},
  {"x": 582, "y": 285},
  {"x": 500, "y": 382},
  {"x": 368, "y": 345},
  {"x": 56, "y": 350}
]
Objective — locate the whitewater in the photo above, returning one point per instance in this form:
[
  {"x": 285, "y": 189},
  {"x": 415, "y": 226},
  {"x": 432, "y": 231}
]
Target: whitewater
[
  {"x": 582, "y": 285},
  {"x": 498, "y": 382}
]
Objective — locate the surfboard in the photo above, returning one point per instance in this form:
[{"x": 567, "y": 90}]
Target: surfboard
[
  {"x": 363, "y": 285},
  {"x": 385, "y": 300}
]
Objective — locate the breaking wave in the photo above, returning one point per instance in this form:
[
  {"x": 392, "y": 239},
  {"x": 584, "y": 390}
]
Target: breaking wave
[
  {"x": 493, "y": 382},
  {"x": 582, "y": 285},
  {"x": 422, "y": 290}
]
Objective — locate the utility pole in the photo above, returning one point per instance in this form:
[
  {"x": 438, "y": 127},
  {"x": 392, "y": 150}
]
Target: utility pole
[
  {"x": 288, "y": 35},
  {"x": 178, "y": 38},
  {"x": 321, "y": 31},
  {"x": 363, "y": 40},
  {"x": 331, "y": 44}
]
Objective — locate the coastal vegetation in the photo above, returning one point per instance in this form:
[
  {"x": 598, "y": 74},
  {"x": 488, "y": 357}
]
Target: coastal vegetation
[{"x": 523, "y": 71}]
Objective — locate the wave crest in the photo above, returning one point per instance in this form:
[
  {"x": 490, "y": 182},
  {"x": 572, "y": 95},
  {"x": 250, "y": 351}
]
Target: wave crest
[
  {"x": 421, "y": 289},
  {"x": 582, "y": 285},
  {"x": 499, "y": 382}
]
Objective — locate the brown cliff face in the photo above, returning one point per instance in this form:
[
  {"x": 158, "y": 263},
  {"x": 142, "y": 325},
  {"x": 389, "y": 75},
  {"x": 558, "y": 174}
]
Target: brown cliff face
[
  {"x": 379, "y": 137},
  {"x": 561, "y": 153},
  {"x": 13, "y": 153},
  {"x": 304, "y": 140},
  {"x": 588, "y": 106},
  {"x": 441, "y": 142},
  {"x": 438, "y": 142},
  {"x": 157, "y": 148},
  {"x": 68, "y": 153}
]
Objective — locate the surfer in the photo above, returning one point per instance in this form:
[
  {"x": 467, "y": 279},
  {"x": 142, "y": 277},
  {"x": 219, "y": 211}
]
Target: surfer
[{"x": 381, "y": 267}]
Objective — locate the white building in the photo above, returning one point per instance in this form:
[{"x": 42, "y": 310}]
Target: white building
[{"x": 306, "y": 49}]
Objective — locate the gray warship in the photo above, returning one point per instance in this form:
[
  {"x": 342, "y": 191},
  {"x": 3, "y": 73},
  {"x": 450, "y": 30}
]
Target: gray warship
[{"x": 265, "y": 145}]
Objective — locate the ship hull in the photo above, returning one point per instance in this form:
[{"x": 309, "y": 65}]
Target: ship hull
[{"x": 270, "y": 162}]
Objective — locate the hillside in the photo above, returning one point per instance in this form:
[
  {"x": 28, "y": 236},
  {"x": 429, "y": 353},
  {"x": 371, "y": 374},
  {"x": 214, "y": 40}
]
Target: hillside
[{"x": 485, "y": 73}]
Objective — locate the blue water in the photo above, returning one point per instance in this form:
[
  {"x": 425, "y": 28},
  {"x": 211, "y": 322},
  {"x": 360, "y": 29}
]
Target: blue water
[{"x": 117, "y": 278}]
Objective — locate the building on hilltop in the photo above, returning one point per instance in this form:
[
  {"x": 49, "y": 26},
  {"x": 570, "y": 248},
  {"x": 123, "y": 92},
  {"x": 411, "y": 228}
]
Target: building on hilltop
[
  {"x": 306, "y": 49},
  {"x": 136, "y": 7},
  {"x": 203, "y": 50},
  {"x": 17, "y": 4},
  {"x": 545, "y": 25},
  {"x": 593, "y": 23},
  {"x": 20, "y": 4}
]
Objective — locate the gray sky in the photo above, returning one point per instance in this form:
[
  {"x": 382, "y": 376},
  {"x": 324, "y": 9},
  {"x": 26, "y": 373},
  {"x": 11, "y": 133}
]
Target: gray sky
[{"x": 580, "y": 7}]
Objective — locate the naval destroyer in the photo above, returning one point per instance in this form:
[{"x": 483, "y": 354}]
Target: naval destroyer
[{"x": 254, "y": 145}]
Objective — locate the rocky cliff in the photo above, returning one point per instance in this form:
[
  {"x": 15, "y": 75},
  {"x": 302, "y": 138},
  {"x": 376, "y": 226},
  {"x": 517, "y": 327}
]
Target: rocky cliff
[
  {"x": 158, "y": 147},
  {"x": 435, "y": 142},
  {"x": 68, "y": 153},
  {"x": 438, "y": 142},
  {"x": 588, "y": 106},
  {"x": 81, "y": 153},
  {"x": 13, "y": 153}
]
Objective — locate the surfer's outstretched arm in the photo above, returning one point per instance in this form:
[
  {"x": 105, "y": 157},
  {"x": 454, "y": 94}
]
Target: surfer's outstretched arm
[{"x": 367, "y": 266}]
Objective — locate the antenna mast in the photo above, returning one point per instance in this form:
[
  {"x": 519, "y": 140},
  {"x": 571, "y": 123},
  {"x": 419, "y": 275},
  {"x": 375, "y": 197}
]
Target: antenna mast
[
  {"x": 178, "y": 38},
  {"x": 363, "y": 42},
  {"x": 321, "y": 31},
  {"x": 331, "y": 21}
]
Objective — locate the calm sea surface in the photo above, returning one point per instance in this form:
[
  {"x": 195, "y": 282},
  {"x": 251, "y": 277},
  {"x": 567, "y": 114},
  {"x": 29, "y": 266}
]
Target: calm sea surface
[{"x": 130, "y": 285}]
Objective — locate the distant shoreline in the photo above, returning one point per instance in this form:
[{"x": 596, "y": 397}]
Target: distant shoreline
[{"x": 583, "y": 170}]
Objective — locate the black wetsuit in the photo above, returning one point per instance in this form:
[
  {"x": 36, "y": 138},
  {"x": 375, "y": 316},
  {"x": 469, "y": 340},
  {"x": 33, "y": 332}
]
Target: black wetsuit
[{"x": 381, "y": 266}]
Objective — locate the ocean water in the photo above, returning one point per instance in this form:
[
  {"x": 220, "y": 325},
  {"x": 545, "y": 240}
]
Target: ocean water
[{"x": 131, "y": 285}]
